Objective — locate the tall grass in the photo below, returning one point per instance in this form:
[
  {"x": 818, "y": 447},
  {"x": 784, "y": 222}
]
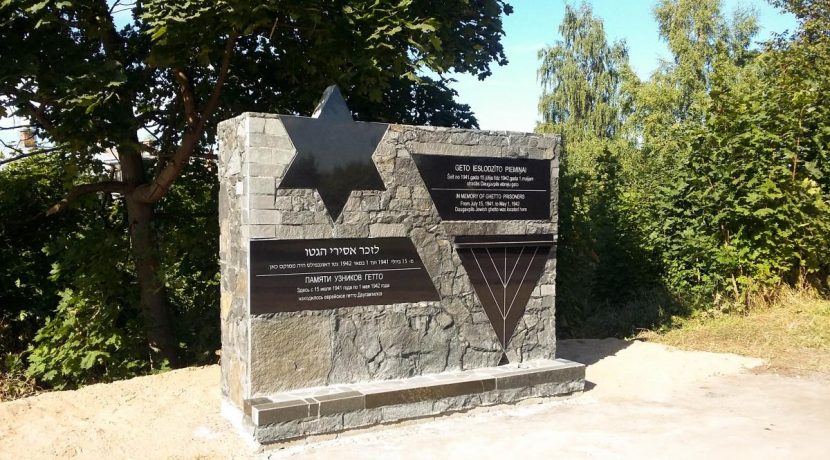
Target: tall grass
[{"x": 790, "y": 329}]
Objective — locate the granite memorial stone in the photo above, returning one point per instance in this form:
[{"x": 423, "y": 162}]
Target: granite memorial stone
[{"x": 375, "y": 272}]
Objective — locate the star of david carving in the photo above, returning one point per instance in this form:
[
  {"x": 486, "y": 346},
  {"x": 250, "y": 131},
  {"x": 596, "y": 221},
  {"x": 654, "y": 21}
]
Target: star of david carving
[{"x": 334, "y": 152}]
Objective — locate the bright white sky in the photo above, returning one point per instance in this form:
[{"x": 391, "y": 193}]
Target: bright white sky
[{"x": 508, "y": 99}]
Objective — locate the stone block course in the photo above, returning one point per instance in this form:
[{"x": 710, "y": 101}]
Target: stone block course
[{"x": 314, "y": 410}]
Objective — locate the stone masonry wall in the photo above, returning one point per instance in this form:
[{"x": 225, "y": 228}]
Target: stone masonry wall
[{"x": 265, "y": 354}]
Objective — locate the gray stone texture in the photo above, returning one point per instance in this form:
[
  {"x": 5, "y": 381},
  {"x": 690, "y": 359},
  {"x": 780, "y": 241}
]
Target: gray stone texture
[
  {"x": 267, "y": 354},
  {"x": 303, "y": 412}
]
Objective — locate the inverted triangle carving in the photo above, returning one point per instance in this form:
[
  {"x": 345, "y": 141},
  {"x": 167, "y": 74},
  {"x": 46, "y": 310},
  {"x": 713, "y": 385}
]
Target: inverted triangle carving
[{"x": 504, "y": 275}]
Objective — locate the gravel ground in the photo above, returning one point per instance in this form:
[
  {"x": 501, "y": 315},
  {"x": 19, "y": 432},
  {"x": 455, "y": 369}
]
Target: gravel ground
[{"x": 644, "y": 400}]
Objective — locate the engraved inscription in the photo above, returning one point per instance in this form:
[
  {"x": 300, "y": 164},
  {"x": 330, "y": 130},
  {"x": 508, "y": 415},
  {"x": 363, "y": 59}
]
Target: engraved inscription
[
  {"x": 293, "y": 275},
  {"x": 486, "y": 188}
]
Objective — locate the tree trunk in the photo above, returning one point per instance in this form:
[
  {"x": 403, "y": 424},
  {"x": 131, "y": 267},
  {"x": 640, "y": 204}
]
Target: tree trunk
[{"x": 154, "y": 306}]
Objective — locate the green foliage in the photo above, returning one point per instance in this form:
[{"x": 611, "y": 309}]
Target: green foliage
[
  {"x": 78, "y": 288},
  {"x": 26, "y": 187},
  {"x": 600, "y": 254},
  {"x": 80, "y": 249},
  {"x": 71, "y": 307},
  {"x": 85, "y": 343},
  {"x": 13, "y": 381},
  {"x": 751, "y": 208},
  {"x": 703, "y": 186},
  {"x": 581, "y": 76},
  {"x": 189, "y": 248}
]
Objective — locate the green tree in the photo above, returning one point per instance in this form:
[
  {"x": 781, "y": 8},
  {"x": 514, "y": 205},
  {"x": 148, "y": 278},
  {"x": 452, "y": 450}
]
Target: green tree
[
  {"x": 733, "y": 153},
  {"x": 699, "y": 38},
  {"x": 702, "y": 42},
  {"x": 90, "y": 87},
  {"x": 600, "y": 266},
  {"x": 581, "y": 76},
  {"x": 708, "y": 49}
]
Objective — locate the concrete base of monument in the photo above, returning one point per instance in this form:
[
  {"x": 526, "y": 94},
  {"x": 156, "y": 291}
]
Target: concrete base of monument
[{"x": 336, "y": 408}]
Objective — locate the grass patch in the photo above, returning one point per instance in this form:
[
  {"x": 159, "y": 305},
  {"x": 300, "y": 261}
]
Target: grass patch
[{"x": 792, "y": 334}]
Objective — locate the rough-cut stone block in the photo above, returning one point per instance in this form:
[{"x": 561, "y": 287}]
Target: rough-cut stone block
[
  {"x": 386, "y": 230},
  {"x": 327, "y": 409},
  {"x": 266, "y": 414},
  {"x": 359, "y": 419},
  {"x": 262, "y": 231},
  {"x": 274, "y": 127},
  {"x": 263, "y": 156},
  {"x": 249, "y": 403},
  {"x": 264, "y": 217},
  {"x": 261, "y": 185},
  {"x": 255, "y": 124},
  {"x": 293, "y": 232},
  {"x": 262, "y": 202},
  {"x": 523, "y": 378},
  {"x": 348, "y": 401},
  {"x": 262, "y": 139},
  {"x": 263, "y": 169},
  {"x": 289, "y": 352},
  {"x": 424, "y": 393}
]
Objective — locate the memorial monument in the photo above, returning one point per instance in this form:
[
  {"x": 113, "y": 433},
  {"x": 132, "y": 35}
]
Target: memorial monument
[{"x": 376, "y": 272}]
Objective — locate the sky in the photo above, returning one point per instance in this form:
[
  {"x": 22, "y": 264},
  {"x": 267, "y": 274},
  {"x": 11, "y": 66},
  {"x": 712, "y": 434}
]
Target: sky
[{"x": 508, "y": 99}]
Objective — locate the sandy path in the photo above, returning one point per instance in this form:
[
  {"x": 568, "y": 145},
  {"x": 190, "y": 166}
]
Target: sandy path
[
  {"x": 171, "y": 415},
  {"x": 645, "y": 401}
]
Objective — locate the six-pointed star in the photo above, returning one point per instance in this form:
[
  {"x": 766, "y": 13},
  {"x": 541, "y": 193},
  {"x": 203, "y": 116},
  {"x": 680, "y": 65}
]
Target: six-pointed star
[{"x": 334, "y": 152}]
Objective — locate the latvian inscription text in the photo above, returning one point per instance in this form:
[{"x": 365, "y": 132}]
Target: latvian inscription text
[
  {"x": 487, "y": 188},
  {"x": 294, "y": 275}
]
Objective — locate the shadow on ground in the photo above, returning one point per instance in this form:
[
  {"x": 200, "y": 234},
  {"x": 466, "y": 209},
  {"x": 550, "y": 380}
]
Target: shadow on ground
[{"x": 589, "y": 352}]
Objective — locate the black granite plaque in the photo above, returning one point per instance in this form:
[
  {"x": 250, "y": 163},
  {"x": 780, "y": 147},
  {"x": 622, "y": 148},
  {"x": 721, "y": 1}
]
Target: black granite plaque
[
  {"x": 487, "y": 188},
  {"x": 504, "y": 270},
  {"x": 294, "y": 275}
]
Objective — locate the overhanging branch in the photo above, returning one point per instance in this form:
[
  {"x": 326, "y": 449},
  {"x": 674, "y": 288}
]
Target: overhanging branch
[
  {"x": 84, "y": 189},
  {"x": 40, "y": 116}
]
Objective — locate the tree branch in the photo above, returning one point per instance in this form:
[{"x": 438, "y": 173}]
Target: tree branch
[
  {"x": 80, "y": 190},
  {"x": 186, "y": 91},
  {"x": 150, "y": 193},
  {"x": 40, "y": 117},
  {"x": 213, "y": 102},
  {"x": 22, "y": 156}
]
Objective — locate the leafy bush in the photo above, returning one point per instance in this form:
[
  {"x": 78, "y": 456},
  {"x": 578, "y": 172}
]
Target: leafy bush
[
  {"x": 85, "y": 342},
  {"x": 71, "y": 312}
]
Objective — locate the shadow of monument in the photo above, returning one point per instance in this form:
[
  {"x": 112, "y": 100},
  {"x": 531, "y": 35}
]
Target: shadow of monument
[{"x": 589, "y": 352}]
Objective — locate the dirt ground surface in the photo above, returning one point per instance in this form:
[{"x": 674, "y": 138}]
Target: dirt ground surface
[{"x": 643, "y": 400}]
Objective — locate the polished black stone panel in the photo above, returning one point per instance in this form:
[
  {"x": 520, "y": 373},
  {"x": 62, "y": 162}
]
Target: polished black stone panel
[
  {"x": 334, "y": 153},
  {"x": 487, "y": 188},
  {"x": 295, "y": 275},
  {"x": 504, "y": 270}
]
